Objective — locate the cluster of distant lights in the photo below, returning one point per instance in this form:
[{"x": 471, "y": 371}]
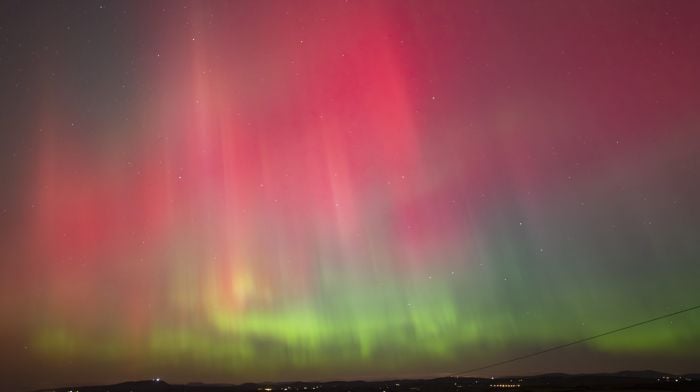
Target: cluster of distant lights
[
  {"x": 673, "y": 379},
  {"x": 319, "y": 387},
  {"x": 289, "y": 388},
  {"x": 309, "y": 388},
  {"x": 662, "y": 379}
]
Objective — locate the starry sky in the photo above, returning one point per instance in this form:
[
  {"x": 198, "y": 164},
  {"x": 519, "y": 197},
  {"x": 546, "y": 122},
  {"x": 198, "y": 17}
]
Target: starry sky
[{"x": 243, "y": 191}]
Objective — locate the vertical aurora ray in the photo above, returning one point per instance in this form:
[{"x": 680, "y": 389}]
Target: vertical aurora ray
[{"x": 242, "y": 191}]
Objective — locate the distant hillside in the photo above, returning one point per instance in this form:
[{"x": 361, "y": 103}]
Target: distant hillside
[{"x": 638, "y": 380}]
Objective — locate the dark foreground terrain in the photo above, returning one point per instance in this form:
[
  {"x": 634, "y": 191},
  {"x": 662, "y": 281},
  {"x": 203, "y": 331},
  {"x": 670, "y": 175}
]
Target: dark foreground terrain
[{"x": 622, "y": 381}]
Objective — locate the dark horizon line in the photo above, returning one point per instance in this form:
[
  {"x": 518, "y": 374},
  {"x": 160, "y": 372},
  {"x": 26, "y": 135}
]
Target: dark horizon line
[{"x": 632, "y": 374}]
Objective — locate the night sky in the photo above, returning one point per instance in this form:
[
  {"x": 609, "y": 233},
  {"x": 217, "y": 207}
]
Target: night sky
[{"x": 276, "y": 190}]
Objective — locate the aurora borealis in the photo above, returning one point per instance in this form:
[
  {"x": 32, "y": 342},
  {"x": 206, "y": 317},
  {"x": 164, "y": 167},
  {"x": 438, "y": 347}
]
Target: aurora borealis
[{"x": 276, "y": 190}]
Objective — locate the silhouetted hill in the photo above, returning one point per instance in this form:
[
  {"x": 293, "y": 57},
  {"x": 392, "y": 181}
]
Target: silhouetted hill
[
  {"x": 644, "y": 380},
  {"x": 129, "y": 386},
  {"x": 641, "y": 374}
]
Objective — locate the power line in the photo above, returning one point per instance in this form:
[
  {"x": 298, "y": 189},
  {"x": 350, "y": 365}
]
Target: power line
[{"x": 530, "y": 355}]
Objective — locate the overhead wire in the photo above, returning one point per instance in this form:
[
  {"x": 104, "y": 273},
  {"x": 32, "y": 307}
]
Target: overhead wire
[{"x": 572, "y": 343}]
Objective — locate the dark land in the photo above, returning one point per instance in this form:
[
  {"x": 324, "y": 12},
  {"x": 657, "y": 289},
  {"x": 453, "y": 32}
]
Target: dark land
[{"x": 556, "y": 382}]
